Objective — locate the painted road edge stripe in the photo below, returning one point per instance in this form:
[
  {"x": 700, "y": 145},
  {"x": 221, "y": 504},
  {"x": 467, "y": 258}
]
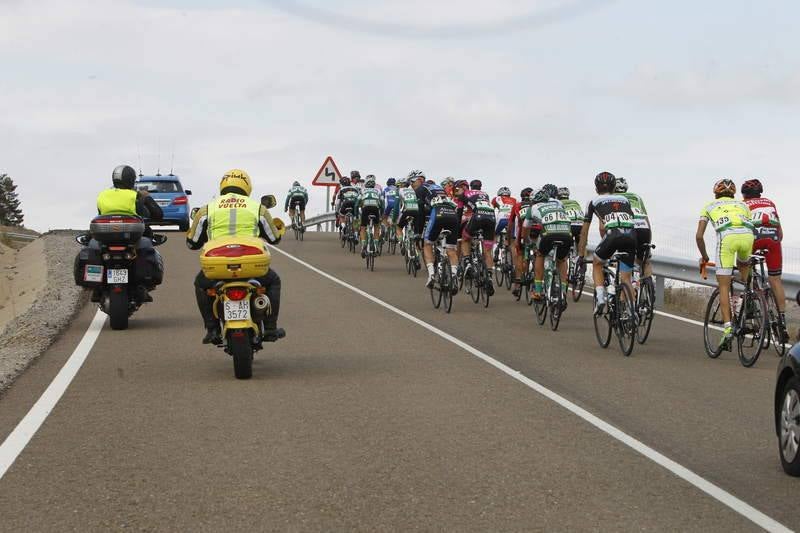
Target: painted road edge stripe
[
  {"x": 719, "y": 494},
  {"x": 33, "y": 420}
]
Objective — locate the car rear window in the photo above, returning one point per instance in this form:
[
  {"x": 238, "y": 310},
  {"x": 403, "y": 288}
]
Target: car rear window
[{"x": 159, "y": 186}]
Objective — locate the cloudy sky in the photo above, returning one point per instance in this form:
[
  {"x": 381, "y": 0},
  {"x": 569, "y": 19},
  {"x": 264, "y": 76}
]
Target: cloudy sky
[{"x": 671, "y": 95}]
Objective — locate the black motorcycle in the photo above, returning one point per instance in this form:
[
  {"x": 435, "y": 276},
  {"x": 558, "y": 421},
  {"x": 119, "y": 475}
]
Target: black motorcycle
[{"x": 119, "y": 265}]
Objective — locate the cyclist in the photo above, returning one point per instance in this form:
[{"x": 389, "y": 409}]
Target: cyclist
[
  {"x": 234, "y": 213},
  {"x": 732, "y": 222},
  {"x": 549, "y": 214},
  {"x": 503, "y": 204},
  {"x": 297, "y": 197},
  {"x": 377, "y": 185},
  {"x": 616, "y": 226},
  {"x": 345, "y": 199},
  {"x": 369, "y": 203},
  {"x": 768, "y": 237},
  {"x": 447, "y": 185},
  {"x": 641, "y": 224},
  {"x": 574, "y": 212},
  {"x": 389, "y": 195},
  {"x": 479, "y": 213},
  {"x": 405, "y": 207},
  {"x": 516, "y": 220},
  {"x": 443, "y": 217}
]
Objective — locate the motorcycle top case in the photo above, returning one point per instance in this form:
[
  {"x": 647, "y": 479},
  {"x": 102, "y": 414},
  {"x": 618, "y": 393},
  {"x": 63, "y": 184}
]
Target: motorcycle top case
[
  {"x": 116, "y": 229},
  {"x": 235, "y": 257}
]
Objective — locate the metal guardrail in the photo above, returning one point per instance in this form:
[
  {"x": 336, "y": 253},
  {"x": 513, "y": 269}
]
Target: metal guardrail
[{"x": 664, "y": 267}]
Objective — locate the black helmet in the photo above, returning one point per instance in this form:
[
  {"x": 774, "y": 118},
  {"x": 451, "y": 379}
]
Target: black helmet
[
  {"x": 296, "y": 183},
  {"x": 390, "y": 182},
  {"x": 605, "y": 182},
  {"x": 525, "y": 193},
  {"x": 123, "y": 177},
  {"x": 344, "y": 181},
  {"x": 551, "y": 190},
  {"x": 355, "y": 174},
  {"x": 475, "y": 185},
  {"x": 752, "y": 188},
  {"x": 540, "y": 197}
]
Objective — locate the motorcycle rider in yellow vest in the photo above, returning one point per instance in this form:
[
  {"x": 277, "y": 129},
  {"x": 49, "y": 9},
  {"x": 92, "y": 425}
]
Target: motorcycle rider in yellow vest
[
  {"x": 219, "y": 219},
  {"x": 122, "y": 199}
]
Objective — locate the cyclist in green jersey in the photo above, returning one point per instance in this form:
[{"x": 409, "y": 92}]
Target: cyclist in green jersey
[
  {"x": 297, "y": 198},
  {"x": 370, "y": 202},
  {"x": 641, "y": 224},
  {"x": 406, "y": 206},
  {"x": 574, "y": 213},
  {"x": 732, "y": 221},
  {"x": 550, "y": 215}
]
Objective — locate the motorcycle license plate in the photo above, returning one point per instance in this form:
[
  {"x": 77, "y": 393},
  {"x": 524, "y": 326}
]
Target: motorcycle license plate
[
  {"x": 117, "y": 275},
  {"x": 93, "y": 273},
  {"x": 237, "y": 309}
]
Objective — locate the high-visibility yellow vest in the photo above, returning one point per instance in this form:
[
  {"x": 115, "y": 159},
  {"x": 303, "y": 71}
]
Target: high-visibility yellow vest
[
  {"x": 233, "y": 214},
  {"x": 117, "y": 202}
]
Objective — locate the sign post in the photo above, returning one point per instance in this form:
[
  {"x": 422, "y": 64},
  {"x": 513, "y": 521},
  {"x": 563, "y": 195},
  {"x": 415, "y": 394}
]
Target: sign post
[{"x": 327, "y": 176}]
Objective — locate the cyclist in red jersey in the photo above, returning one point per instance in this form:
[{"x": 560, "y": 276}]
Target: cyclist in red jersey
[
  {"x": 769, "y": 234},
  {"x": 515, "y": 235}
]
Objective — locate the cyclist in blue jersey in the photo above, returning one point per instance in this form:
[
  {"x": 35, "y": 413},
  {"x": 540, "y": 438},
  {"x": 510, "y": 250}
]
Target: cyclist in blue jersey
[{"x": 389, "y": 195}]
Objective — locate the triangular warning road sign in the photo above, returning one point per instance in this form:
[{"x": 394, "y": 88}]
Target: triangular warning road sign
[{"x": 328, "y": 174}]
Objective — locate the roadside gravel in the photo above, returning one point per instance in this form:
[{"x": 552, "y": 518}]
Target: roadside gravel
[{"x": 30, "y": 334}]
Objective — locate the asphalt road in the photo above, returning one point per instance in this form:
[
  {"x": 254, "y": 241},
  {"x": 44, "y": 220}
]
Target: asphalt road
[{"x": 362, "y": 420}]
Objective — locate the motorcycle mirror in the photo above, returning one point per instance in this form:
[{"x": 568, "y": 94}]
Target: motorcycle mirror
[
  {"x": 83, "y": 239},
  {"x": 268, "y": 201},
  {"x": 194, "y": 210},
  {"x": 159, "y": 239},
  {"x": 187, "y": 192}
]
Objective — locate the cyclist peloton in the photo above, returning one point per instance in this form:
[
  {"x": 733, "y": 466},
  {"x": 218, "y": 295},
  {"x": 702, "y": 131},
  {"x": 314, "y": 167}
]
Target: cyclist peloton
[
  {"x": 574, "y": 213},
  {"x": 297, "y": 198},
  {"x": 443, "y": 216},
  {"x": 731, "y": 221},
  {"x": 516, "y": 220},
  {"x": 768, "y": 237},
  {"x": 479, "y": 215},
  {"x": 641, "y": 224},
  {"x": 616, "y": 226},
  {"x": 369, "y": 203},
  {"x": 547, "y": 213}
]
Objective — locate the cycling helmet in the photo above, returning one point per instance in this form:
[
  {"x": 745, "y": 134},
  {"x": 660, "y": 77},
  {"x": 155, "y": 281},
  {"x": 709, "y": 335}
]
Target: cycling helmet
[
  {"x": 447, "y": 181},
  {"x": 370, "y": 182},
  {"x": 461, "y": 184},
  {"x": 355, "y": 174},
  {"x": 236, "y": 181},
  {"x": 541, "y": 196},
  {"x": 551, "y": 190},
  {"x": 475, "y": 185},
  {"x": 296, "y": 184},
  {"x": 621, "y": 185},
  {"x": 390, "y": 182},
  {"x": 415, "y": 174},
  {"x": 503, "y": 191},
  {"x": 563, "y": 193},
  {"x": 402, "y": 182},
  {"x": 430, "y": 182},
  {"x": 752, "y": 188},
  {"x": 525, "y": 193},
  {"x": 123, "y": 177},
  {"x": 344, "y": 181},
  {"x": 724, "y": 187},
  {"x": 605, "y": 182}
]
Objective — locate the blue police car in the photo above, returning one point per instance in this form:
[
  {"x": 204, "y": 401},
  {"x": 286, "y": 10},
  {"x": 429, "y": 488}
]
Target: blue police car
[{"x": 170, "y": 195}]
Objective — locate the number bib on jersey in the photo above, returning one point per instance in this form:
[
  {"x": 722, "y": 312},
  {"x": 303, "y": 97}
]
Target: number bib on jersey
[{"x": 618, "y": 220}]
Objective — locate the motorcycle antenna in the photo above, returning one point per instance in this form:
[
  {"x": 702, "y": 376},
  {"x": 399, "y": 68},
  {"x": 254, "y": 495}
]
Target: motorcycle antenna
[
  {"x": 139, "y": 156},
  {"x": 158, "y": 169},
  {"x": 172, "y": 160}
]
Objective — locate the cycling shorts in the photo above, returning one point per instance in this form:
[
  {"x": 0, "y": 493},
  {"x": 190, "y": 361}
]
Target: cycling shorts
[
  {"x": 416, "y": 221},
  {"x": 388, "y": 209},
  {"x": 368, "y": 210},
  {"x": 344, "y": 206},
  {"x": 618, "y": 241},
  {"x": 501, "y": 225},
  {"x": 732, "y": 249},
  {"x": 296, "y": 202},
  {"x": 774, "y": 254},
  {"x": 643, "y": 238},
  {"x": 442, "y": 221},
  {"x": 477, "y": 223},
  {"x": 546, "y": 243}
]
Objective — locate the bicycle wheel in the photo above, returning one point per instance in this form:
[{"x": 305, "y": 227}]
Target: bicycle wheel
[
  {"x": 625, "y": 320},
  {"x": 645, "y": 302},
  {"x": 509, "y": 266},
  {"x": 602, "y": 324},
  {"x": 436, "y": 288},
  {"x": 750, "y": 337},
  {"x": 342, "y": 238},
  {"x": 487, "y": 280},
  {"x": 577, "y": 282},
  {"x": 774, "y": 330},
  {"x": 371, "y": 261},
  {"x": 302, "y": 233},
  {"x": 446, "y": 284},
  {"x": 712, "y": 326},
  {"x": 540, "y": 307},
  {"x": 499, "y": 271},
  {"x": 469, "y": 284},
  {"x": 555, "y": 301}
]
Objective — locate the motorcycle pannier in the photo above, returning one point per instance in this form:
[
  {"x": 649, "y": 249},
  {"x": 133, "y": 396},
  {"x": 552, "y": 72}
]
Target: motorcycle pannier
[
  {"x": 88, "y": 268},
  {"x": 117, "y": 228},
  {"x": 235, "y": 258}
]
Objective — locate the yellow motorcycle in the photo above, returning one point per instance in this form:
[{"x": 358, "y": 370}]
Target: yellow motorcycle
[{"x": 240, "y": 301}]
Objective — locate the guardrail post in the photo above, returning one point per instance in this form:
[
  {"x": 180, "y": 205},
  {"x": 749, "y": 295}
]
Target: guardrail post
[{"x": 660, "y": 292}]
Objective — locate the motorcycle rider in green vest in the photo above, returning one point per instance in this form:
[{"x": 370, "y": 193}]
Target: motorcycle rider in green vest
[{"x": 233, "y": 213}]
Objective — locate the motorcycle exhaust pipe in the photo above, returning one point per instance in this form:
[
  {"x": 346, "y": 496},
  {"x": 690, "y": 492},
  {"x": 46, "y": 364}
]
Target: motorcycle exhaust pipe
[{"x": 262, "y": 303}]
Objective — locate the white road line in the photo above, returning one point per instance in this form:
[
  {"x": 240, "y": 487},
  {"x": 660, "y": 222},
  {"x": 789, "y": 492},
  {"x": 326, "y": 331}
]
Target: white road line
[
  {"x": 30, "y": 424},
  {"x": 679, "y": 470}
]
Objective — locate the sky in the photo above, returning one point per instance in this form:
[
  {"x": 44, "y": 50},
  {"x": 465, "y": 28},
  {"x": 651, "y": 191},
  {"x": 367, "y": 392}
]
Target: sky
[{"x": 671, "y": 95}]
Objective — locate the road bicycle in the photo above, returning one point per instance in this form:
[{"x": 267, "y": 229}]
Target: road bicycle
[
  {"x": 503, "y": 263},
  {"x": 371, "y": 249},
  {"x": 297, "y": 226},
  {"x": 526, "y": 280},
  {"x": 346, "y": 232},
  {"x": 748, "y": 317},
  {"x": 408, "y": 247},
  {"x": 619, "y": 313},
  {"x": 645, "y": 296},
  {"x": 476, "y": 276},
  {"x": 775, "y": 324},
  {"x": 576, "y": 276},
  {"x": 444, "y": 285},
  {"x": 391, "y": 239},
  {"x": 553, "y": 301}
]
